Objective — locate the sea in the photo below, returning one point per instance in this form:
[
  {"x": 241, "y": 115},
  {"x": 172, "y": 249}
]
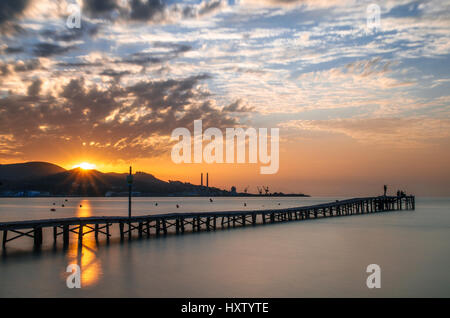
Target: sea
[{"x": 326, "y": 257}]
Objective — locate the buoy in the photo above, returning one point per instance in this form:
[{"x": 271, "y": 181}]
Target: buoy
[
  {"x": 178, "y": 206},
  {"x": 62, "y": 205},
  {"x": 210, "y": 200},
  {"x": 52, "y": 209},
  {"x": 81, "y": 206},
  {"x": 65, "y": 200},
  {"x": 54, "y": 203},
  {"x": 156, "y": 203},
  {"x": 245, "y": 204}
]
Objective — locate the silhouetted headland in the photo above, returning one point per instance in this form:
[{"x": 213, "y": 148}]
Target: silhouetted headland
[{"x": 45, "y": 179}]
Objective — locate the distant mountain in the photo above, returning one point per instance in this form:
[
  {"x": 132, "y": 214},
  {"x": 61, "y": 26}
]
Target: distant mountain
[
  {"x": 42, "y": 178},
  {"x": 33, "y": 169}
]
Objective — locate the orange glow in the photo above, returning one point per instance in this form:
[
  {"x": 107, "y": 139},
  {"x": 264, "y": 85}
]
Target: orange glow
[
  {"x": 85, "y": 255},
  {"x": 85, "y": 166}
]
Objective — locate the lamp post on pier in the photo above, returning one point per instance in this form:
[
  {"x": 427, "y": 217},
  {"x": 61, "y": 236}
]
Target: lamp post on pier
[{"x": 130, "y": 184}]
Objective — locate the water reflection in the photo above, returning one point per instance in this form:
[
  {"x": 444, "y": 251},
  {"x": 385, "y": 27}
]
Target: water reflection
[{"x": 85, "y": 255}]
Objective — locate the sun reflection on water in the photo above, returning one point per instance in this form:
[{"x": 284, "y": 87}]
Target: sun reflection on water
[{"x": 85, "y": 255}]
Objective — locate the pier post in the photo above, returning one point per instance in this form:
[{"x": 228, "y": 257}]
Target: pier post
[
  {"x": 121, "y": 231},
  {"x": 182, "y": 225},
  {"x": 243, "y": 219},
  {"x": 37, "y": 236},
  {"x": 140, "y": 230},
  {"x": 148, "y": 228},
  {"x": 96, "y": 232},
  {"x": 199, "y": 224},
  {"x": 5, "y": 237},
  {"x": 107, "y": 232},
  {"x": 55, "y": 234},
  {"x": 80, "y": 234},
  {"x": 214, "y": 223},
  {"x": 164, "y": 226},
  {"x": 158, "y": 228},
  {"x": 177, "y": 226},
  {"x": 263, "y": 217},
  {"x": 65, "y": 235},
  {"x": 193, "y": 224},
  {"x": 208, "y": 220}
]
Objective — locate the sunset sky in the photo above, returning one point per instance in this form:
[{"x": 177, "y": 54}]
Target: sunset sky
[{"x": 356, "y": 107}]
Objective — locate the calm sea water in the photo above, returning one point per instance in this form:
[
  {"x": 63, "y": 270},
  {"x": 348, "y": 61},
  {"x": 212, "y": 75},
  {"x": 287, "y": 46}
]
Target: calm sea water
[{"x": 315, "y": 258}]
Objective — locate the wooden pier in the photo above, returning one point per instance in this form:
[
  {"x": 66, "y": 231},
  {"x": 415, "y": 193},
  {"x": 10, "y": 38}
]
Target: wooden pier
[{"x": 180, "y": 223}]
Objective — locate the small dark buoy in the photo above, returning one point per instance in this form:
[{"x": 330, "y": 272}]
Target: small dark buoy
[
  {"x": 178, "y": 206},
  {"x": 52, "y": 209},
  {"x": 279, "y": 203},
  {"x": 54, "y": 203},
  {"x": 65, "y": 200},
  {"x": 245, "y": 204},
  {"x": 81, "y": 206},
  {"x": 210, "y": 200},
  {"x": 156, "y": 204},
  {"x": 62, "y": 205}
]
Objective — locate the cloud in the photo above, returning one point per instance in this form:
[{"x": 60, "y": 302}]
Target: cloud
[
  {"x": 400, "y": 132},
  {"x": 239, "y": 106},
  {"x": 34, "y": 88},
  {"x": 120, "y": 121},
  {"x": 10, "y": 10},
  {"x": 95, "y": 7},
  {"x": 46, "y": 49}
]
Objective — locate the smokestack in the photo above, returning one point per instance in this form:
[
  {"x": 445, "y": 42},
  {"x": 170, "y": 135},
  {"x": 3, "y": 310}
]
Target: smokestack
[
  {"x": 201, "y": 179},
  {"x": 207, "y": 180}
]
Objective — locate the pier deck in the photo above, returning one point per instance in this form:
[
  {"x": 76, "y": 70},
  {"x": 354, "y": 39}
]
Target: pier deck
[{"x": 179, "y": 223}]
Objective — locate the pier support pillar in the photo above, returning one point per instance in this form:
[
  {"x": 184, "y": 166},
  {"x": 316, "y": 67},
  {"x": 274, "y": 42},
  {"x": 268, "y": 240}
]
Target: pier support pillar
[
  {"x": 121, "y": 231},
  {"x": 158, "y": 228},
  {"x": 5, "y": 237},
  {"x": 208, "y": 223},
  {"x": 37, "y": 236},
  {"x": 96, "y": 232},
  {"x": 107, "y": 233},
  {"x": 140, "y": 230},
  {"x": 80, "y": 234},
  {"x": 55, "y": 234},
  {"x": 65, "y": 235},
  {"x": 164, "y": 226}
]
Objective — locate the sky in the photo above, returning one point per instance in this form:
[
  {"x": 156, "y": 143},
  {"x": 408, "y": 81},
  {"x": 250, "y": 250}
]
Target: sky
[{"x": 357, "y": 106}]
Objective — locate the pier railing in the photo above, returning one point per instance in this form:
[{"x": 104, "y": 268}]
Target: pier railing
[{"x": 179, "y": 223}]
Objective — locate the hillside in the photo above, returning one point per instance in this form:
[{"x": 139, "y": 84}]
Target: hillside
[
  {"x": 25, "y": 170},
  {"x": 46, "y": 178}
]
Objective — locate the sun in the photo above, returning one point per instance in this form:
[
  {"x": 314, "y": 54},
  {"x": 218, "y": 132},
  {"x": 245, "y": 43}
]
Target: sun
[{"x": 85, "y": 166}]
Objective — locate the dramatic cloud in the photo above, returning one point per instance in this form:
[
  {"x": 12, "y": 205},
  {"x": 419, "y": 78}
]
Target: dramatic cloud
[
  {"x": 398, "y": 132},
  {"x": 123, "y": 121},
  {"x": 10, "y": 10},
  {"x": 49, "y": 49}
]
